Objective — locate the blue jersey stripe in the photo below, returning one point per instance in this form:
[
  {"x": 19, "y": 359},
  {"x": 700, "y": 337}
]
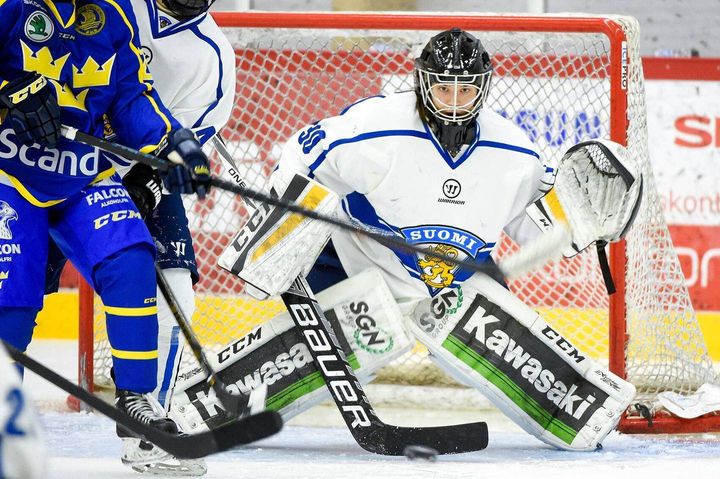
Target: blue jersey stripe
[
  {"x": 505, "y": 146},
  {"x": 362, "y": 137},
  {"x": 218, "y": 90}
]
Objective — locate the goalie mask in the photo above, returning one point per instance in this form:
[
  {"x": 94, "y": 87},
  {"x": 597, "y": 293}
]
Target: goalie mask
[
  {"x": 452, "y": 81},
  {"x": 184, "y": 9}
]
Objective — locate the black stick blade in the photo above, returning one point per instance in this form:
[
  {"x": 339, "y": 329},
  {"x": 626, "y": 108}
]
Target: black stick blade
[{"x": 392, "y": 440}]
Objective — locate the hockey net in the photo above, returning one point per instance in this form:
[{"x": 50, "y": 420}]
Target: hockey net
[{"x": 561, "y": 79}]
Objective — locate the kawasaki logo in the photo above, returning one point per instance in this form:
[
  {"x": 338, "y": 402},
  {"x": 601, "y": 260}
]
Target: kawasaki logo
[
  {"x": 271, "y": 372},
  {"x": 490, "y": 325}
]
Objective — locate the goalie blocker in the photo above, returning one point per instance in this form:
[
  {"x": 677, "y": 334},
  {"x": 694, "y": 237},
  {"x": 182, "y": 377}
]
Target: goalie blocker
[{"x": 274, "y": 354}]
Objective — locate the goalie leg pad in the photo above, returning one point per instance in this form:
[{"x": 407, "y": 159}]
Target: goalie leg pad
[
  {"x": 487, "y": 338},
  {"x": 274, "y": 354}
]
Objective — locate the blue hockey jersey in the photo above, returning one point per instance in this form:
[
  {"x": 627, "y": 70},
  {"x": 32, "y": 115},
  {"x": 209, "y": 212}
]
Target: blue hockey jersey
[{"x": 90, "y": 53}]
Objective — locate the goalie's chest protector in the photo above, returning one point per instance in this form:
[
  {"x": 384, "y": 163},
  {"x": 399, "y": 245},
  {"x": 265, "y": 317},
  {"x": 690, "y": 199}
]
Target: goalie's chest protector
[{"x": 455, "y": 206}]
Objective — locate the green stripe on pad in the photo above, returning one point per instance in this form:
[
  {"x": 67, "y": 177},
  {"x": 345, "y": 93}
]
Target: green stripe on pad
[{"x": 500, "y": 380}]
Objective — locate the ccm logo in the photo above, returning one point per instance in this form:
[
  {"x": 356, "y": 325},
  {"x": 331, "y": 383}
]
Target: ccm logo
[{"x": 697, "y": 131}]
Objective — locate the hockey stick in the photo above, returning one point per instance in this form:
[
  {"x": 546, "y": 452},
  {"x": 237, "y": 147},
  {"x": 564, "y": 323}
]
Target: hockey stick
[
  {"x": 369, "y": 431},
  {"x": 234, "y": 404},
  {"x": 236, "y": 433}
]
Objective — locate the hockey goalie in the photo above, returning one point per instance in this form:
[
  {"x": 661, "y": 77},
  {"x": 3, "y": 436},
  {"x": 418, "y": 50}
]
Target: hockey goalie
[{"x": 437, "y": 168}]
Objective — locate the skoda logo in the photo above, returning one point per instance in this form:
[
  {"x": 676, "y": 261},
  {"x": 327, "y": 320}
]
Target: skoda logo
[
  {"x": 39, "y": 27},
  {"x": 451, "y": 188}
]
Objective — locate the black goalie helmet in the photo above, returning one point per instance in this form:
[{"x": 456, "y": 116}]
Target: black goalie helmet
[
  {"x": 452, "y": 77},
  {"x": 183, "y": 9}
]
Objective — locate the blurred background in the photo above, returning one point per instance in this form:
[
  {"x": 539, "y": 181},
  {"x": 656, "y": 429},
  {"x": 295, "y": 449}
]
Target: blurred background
[{"x": 669, "y": 27}]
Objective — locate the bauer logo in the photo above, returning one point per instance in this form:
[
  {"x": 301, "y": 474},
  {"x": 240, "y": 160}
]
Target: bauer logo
[{"x": 7, "y": 214}]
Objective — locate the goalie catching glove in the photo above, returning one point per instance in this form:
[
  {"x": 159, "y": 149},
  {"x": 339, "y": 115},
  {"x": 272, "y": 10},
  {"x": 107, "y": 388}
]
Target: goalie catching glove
[
  {"x": 276, "y": 246},
  {"x": 595, "y": 199}
]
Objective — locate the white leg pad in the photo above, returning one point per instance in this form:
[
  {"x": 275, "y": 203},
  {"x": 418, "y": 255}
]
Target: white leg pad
[{"x": 487, "y": 338}]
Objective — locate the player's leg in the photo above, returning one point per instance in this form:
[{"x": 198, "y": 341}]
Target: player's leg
[
  {"x": 22, "y": 450},
  {"x": 23, "y": 248},
  {"x": 168, "y": 226},
  {"x": 109, "y": 244}
]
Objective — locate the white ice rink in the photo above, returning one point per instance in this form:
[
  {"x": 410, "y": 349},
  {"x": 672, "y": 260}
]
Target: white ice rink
[{"x": 85, "y": 446}]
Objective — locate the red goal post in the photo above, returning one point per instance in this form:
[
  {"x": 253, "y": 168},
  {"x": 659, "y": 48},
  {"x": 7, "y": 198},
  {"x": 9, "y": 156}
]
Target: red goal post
[{"x": 561, "y": 78}]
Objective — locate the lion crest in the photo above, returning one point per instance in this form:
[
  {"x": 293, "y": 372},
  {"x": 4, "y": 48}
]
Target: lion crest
[{"x": 437, "y": 272}]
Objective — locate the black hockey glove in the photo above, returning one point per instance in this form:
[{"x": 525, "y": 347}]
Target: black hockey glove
[
  {"x": 144, "y": 186},
  {"x": 192, "y": 173},
  {"x": 33, "y": 109}
]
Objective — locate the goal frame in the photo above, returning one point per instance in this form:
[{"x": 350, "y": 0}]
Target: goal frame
[{"x": 618, "y": 122}]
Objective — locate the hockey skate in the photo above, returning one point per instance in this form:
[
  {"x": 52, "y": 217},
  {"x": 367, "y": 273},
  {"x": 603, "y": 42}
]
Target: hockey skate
[{"x": 142, "y": 456}]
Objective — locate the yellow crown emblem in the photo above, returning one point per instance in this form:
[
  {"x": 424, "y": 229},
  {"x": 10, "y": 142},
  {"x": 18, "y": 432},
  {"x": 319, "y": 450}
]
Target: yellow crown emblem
[
  {"x": 66, "y": 97},
  {"x": 92, "y": 74},
  {"x": 4, "y": 274},
  {"x": 42, "y": 61}
]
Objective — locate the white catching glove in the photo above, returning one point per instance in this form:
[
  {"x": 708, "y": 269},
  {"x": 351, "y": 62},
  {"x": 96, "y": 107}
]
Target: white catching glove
[{"x": 276, "y": 246}]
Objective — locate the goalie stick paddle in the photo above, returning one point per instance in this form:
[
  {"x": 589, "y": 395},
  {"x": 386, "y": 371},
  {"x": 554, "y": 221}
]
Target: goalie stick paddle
[
  {"x": 369, "y": 431},
  {"x": 236, "y": 433}
]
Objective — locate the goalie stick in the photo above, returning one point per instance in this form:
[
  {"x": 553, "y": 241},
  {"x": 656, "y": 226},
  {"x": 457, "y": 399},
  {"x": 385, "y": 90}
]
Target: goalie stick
[
  {"x": 369, "y": 431},
  {"x": 236, "y": 433}
]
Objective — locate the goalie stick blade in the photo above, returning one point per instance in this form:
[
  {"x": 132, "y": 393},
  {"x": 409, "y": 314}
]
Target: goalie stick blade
[
  {"x": 392, "y": 440},
  {"x": 236, "y": 433}
]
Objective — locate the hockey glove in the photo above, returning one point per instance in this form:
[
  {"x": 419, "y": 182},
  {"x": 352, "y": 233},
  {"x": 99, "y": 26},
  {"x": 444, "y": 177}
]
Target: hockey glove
[
  {"x": 33, "y": 109},
  {"x": 192, "y": 173},
  {"x": 144, "y": 185}
]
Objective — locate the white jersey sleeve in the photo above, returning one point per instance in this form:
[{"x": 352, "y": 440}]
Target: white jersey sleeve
[
  {"x": 193, "y": 67},
  {"x": 318, "y": 151},
  {"x": 22, "y": 451}
]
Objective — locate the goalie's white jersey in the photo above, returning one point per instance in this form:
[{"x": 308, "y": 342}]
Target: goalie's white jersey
[
  {"x": 192, "y": 65},
  {"x": 394, "y": 176}
]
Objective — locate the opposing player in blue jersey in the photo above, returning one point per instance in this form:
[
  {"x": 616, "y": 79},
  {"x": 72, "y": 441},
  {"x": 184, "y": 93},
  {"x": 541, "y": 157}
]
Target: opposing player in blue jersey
[
  {"x": 198, "y": 88},
  {"x": 79, "y": 64}
]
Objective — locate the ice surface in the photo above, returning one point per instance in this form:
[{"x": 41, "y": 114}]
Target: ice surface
[{"x": 84, "y": 446}]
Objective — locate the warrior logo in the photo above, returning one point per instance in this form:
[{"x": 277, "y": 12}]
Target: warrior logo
[
  {"x": 7, "y": 213},
  {"x": 39, "y": 27},
  {"x": 179, "y": 247}
]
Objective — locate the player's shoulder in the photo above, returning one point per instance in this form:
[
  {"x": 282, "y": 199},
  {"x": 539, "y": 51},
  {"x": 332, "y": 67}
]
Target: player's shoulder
[
  {"x": 97, "y": 19},
  {"x": 381, "y": 111},
  {"x": 498, "y": 129}
]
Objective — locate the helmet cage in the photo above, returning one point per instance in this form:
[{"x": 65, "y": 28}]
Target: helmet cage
[{"x": 453, "y": 112}]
